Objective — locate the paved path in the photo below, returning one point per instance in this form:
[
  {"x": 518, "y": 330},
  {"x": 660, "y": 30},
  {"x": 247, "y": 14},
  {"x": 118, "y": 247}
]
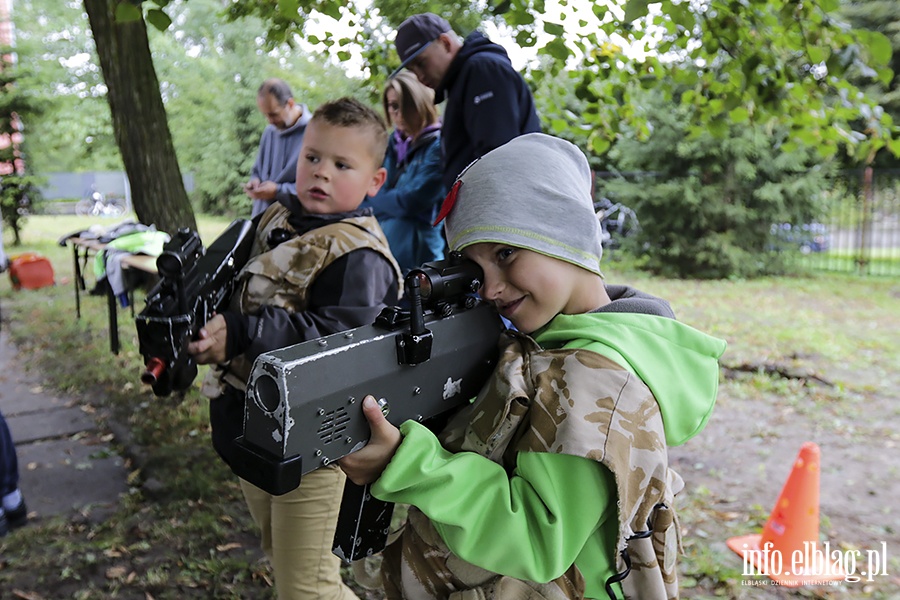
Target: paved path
[{"x": 66, "y": 466}]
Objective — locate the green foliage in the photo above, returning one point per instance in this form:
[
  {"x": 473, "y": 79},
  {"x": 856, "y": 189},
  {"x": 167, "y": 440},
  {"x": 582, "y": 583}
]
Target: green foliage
[
  {"x": 74, "y": 133},
  {"x": 366, "y": 27},
  {"x": 215, "y": 125},
  {"x": 706, "y": 204},
  {"x": 17, "y": 194},
  {"x": 464, "y": 19},
  {"x": 18, "y": 188},
  {"x": 134, "y": 10},
  {"x": 782, "y": 64},
  {"x": 790, "y": 67},
  {"x": 762, "y": 62},
  {"x": 564, "y": 100},
  {"x": 286, "y": 22},
  {"x": 883, "y": 18},
  {"x": 285, "y": 18}
]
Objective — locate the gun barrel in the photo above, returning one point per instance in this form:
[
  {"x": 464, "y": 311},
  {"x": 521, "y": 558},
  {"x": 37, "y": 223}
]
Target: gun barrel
[{"x": 155, "y": 367}]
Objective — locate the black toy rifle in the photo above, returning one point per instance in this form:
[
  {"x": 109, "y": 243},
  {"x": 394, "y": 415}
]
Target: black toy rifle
[
  {"x": 195, "y": 283},
  {"x": 304, "y": 402}
]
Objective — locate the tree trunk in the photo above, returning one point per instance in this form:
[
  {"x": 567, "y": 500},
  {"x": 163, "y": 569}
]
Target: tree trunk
[{"x": 139, "y": 119}]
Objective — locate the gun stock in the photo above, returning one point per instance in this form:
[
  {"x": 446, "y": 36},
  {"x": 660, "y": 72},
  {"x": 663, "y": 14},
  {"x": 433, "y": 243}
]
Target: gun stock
[
  {"x": 194, "y": 285},
  {"x": 303, "y": 408}
]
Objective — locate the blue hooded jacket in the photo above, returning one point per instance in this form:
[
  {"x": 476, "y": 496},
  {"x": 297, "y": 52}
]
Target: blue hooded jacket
[{"x": 407, "y": 203}]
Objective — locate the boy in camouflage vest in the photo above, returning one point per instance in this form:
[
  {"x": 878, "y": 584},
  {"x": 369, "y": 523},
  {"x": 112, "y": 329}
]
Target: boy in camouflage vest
[
  {"x": 555, "y": 482},
  {"x": 320, "y": 265}
]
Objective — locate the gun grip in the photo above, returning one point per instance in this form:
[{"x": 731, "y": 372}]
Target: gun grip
[
  {"x": 364, "y": 523},
  {"x": 184, "y": 376}
]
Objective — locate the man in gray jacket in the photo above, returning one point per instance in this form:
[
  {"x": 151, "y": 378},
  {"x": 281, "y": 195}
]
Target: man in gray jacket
[{"x": 275, "y": 168}]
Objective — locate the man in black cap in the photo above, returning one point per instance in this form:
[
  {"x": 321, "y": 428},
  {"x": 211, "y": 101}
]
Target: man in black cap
[{"x": 488, "y": 101}]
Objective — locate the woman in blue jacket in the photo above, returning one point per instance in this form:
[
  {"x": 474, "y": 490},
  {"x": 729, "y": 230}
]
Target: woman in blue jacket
[{"x": 408, "y": 202}]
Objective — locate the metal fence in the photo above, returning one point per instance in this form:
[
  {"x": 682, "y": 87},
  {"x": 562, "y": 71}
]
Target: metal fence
[
  {"x": 861, "y": 219},
  {"x": 62, "y": 191},
  {"x": 857, "y": 231}
]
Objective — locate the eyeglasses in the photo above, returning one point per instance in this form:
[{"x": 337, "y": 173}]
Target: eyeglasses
[{"x": 393, "y": 106}]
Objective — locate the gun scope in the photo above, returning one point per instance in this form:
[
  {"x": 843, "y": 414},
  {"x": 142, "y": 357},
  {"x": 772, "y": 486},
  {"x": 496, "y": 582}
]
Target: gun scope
[
  {"x": 447, "y": 279},
  {"x": 183, "y": 249}
]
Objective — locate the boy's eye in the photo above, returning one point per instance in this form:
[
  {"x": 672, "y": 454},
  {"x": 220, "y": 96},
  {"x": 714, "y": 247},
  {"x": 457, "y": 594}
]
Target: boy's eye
[
  {"x": 342, "y": 165},
  {"x": 311, "y": 158},
  {"x": 504, "y": 253}
]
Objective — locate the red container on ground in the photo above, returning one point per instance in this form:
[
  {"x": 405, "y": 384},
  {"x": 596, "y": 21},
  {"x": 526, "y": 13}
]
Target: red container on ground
[{"x": 30, "y": 271}]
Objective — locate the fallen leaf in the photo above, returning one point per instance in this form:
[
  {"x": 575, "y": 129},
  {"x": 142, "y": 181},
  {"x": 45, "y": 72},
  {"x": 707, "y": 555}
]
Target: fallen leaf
[
  {"x": 116, "y": 572},
  {"x": 227, "y": 547},
  {"x": 27, "y": 595}
]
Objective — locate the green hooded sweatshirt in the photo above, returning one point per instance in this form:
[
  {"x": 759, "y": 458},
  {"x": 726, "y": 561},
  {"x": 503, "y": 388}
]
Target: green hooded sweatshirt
[{"x": 555, "y": 510}]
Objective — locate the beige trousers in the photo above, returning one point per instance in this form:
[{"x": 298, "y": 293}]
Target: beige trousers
[{"x": 297, "y": 531}]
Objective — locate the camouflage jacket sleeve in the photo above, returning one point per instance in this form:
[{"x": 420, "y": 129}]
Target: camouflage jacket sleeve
[{"x": 530, "y": 525}]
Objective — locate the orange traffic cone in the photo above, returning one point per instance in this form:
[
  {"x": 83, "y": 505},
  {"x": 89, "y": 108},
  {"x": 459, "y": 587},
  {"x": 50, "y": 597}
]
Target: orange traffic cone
[{"x": 788, "y": 549}]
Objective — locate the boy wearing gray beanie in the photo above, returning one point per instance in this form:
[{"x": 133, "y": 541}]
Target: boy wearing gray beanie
[{"x": 555, "y": 482}]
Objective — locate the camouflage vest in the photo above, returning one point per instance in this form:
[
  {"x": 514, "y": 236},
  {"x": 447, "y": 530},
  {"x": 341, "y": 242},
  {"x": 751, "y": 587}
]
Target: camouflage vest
[
  {"x": 562, "y": 401},
  {"x": 282, "y": 276}
]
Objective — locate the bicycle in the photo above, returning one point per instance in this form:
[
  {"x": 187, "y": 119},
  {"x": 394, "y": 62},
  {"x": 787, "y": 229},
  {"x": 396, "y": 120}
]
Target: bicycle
[
  {"x": 98, "y": 205},
  {"x": 617, "y": 221}
]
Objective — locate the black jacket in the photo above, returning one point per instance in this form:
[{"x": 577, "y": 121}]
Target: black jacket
[
  {"x": 349, "y": 293},
  {"x": 488, "y": 104}
]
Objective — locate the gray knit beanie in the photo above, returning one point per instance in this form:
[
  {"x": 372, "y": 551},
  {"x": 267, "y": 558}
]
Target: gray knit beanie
[{"x": 533, "y": 192}]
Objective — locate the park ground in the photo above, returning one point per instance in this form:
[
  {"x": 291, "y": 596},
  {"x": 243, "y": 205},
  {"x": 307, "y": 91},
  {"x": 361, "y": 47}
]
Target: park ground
[{"x": 811, "y": 358}]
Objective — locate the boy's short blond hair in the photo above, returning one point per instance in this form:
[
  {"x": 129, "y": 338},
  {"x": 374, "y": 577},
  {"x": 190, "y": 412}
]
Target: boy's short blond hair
[{"x": 350, "y": 112}]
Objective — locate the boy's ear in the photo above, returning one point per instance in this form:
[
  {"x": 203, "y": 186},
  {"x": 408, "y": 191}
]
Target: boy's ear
[{"x": 378, "y": 180}]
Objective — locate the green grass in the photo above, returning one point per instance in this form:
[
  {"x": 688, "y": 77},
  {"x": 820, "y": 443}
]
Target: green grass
[
  {"x": 885, "y": 262},
  {"x": 886, "y": 254},
  {"x": 163, "y": 539},
  {"x": 189, "y": 535}
]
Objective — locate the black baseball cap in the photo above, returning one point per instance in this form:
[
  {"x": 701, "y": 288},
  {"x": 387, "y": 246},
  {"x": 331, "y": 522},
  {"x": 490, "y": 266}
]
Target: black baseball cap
[{"x": 416, "y": 33}]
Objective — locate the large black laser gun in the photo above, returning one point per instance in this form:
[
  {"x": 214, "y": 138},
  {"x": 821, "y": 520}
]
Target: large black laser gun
[
  {"x": 304, "y": 402},
  {"x": 195, "y": 283}
]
